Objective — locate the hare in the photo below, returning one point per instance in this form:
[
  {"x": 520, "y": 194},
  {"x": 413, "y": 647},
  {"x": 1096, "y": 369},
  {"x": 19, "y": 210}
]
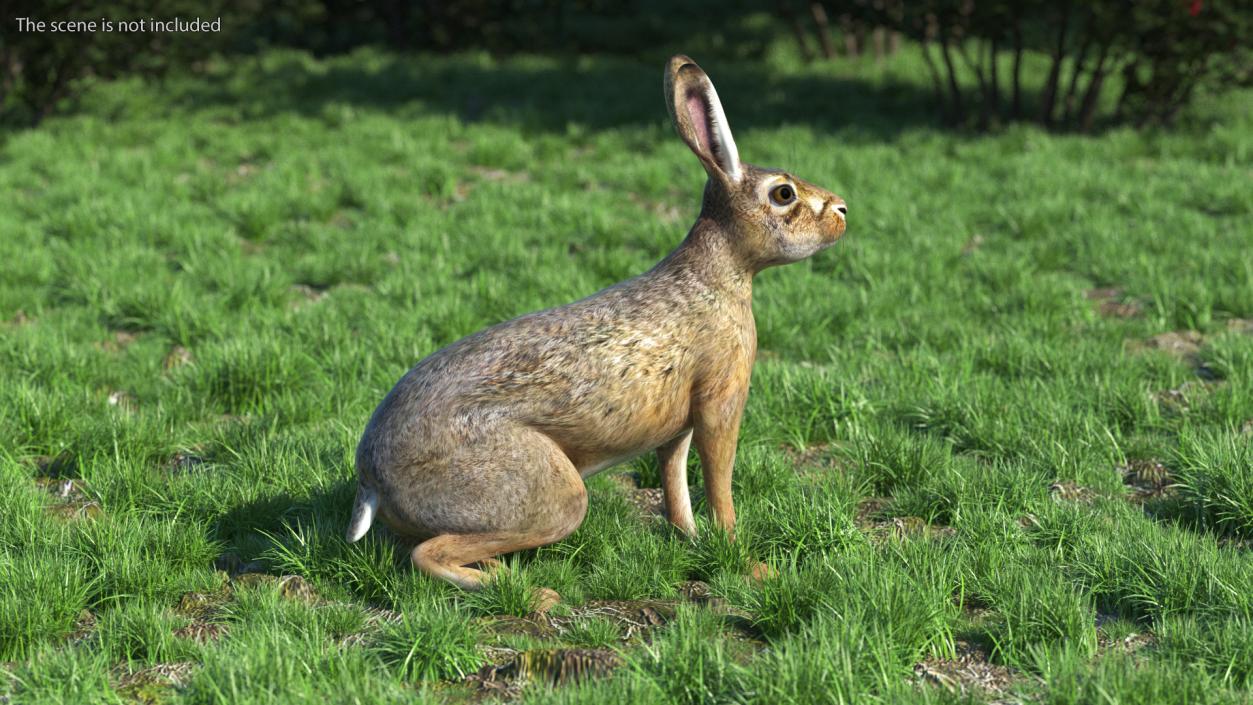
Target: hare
[{"x": 483, "y": 447}]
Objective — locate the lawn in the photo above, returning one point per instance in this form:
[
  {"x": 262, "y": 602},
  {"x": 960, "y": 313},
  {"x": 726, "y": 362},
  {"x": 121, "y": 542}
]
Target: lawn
[{"x": 999, "y": 444}]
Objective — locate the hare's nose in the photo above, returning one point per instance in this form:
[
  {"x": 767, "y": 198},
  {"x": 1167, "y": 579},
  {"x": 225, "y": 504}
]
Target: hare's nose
[{"x": 842, "y": 209}]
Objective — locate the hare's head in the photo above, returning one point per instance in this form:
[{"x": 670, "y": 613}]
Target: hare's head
[{"x": 770, "y": 216}]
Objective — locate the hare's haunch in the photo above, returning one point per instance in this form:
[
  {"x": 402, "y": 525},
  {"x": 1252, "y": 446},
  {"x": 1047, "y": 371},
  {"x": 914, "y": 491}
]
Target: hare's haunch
[{"x": 482, "y": 448}]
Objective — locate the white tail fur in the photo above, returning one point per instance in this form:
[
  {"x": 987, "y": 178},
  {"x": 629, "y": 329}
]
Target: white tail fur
[{"x": 362, "y": 512}]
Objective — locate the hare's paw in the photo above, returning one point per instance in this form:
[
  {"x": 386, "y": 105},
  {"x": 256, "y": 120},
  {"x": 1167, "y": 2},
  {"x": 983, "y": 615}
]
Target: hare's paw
[
  {"x": 490, "y": 566},
  {"x": 760, "y": 572},
  {"x": 544, "y": 599}
]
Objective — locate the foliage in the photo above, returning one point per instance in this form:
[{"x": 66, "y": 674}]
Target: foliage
[
  {"x": 1153, "y": 55},
  {"x": 40, "y": 70}
]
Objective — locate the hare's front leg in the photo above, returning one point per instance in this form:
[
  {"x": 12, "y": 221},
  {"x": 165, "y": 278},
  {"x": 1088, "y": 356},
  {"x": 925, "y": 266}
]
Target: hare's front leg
[
  {"x": 716, "y": 436},
  {"x": 672, "y": 458},
  {"x": 716, "y": 432}
]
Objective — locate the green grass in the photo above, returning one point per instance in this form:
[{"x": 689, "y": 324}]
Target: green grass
[{"x": 209, "y": 284}]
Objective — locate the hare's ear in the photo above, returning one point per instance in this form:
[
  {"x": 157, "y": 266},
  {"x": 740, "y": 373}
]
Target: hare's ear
[{"x": 697, "y": 114}]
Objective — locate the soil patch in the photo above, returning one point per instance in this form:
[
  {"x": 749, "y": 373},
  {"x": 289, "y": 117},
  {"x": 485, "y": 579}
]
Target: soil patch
[
  {"x": 1071, "y": 491},
  {"x": 871, "y": 518},
  {"x": 184, "y": 462},
  {"x": 1182, "y": 344},
  {"x": 903, "y": 528},
  {"x": 551, "y": 666},
  {"x": 816, "y": 458},
  {"x": 1182, "y": 398},
  {"x": 1147, "y": 478},
  {"x": 306, "y": 294},
  {"x": 870, "y": 511},
  {"x": 293, "y": 587},
  {"x": 1241, "y": 325},
  {"x": 1119, "y": 640},
  {"x": 1111, "y": 303},
  {"x": 119, "y": 341},
  {"x": 177, "y": 357},
  {"x": 970, "y": 673},
  {"x": 72, "y": 499},
  {"x": 491, "y": 174},
  {"x": 634, "y": 618},
  {"x": 202, "y": 631},
  {"x": 147, "y": 685},
  {"x": 649, "y": 502}
]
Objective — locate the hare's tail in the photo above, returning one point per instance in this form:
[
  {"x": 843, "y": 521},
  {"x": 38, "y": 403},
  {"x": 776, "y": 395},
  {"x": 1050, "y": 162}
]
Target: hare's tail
[{"x": 363, "y": 511}]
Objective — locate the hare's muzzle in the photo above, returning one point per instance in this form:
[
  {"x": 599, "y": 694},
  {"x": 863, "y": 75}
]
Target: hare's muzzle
[{"x": 835, "y": 215}]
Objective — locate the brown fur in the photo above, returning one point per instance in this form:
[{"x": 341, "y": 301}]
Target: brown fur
[{"x": 482, "y": 448}]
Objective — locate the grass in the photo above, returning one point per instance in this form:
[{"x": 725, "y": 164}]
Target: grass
[{"x": 210, "y": 283}]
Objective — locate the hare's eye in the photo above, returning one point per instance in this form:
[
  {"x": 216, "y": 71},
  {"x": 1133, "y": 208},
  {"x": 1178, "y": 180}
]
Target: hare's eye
[{"x": 782, "y": 195}]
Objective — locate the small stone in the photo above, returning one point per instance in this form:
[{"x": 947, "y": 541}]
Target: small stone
[
  {"x": 123, "y": 400},
  {"x": 63, "y": 489}
]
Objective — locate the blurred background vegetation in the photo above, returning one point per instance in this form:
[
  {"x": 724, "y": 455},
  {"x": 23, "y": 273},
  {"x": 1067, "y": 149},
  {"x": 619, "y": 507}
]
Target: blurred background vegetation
[{"x": 1108, "y": 61}]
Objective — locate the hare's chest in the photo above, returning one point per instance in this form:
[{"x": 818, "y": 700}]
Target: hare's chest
[{"x": 731, "y": 348}]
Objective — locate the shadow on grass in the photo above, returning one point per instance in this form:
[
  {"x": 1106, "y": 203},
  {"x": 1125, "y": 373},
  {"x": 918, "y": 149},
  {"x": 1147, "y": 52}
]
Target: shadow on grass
[
  {"x": 539, "y": 95},
  {"x": 249, "y": 529},
  {"x": 1188, "y": 515}
]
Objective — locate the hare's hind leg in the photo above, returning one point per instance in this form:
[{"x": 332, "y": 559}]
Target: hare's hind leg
[
  {"x": 521, "y": 507},
  {"x": 672, "y": 457},
  {"x": 449, "y": 556}
]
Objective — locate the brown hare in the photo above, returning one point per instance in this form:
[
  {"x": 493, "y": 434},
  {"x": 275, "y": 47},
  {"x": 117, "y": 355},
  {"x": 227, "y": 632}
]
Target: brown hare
[{"x": 482, "y": 448}]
